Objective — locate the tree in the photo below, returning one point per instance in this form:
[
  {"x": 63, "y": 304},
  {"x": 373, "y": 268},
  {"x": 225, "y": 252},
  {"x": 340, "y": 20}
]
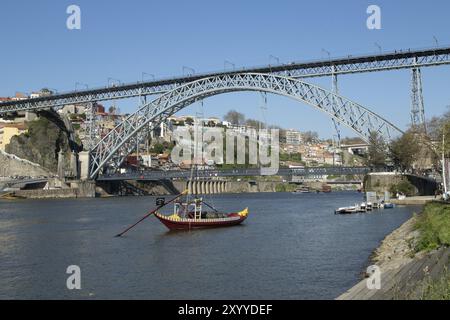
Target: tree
[
  {"x": 404, "y": 150},
  {"x": 254, "y": 123},
  {"x": 46, "y": 91},
  {"x": 437, "y": 128},
  {"x": 310, "y": 136},
  {"x": 112, "y": 109},
  {"x": 404, "y": 186},
  {"x": 189, "y": 121},
  {"x": 235, "y": 118},
  {"x": 352, "y": 140},
  {"x": 377, "y": 151},
  {"x": 158, "y": 148}
]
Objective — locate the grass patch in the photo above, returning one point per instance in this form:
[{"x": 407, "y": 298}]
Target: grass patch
[
  {"x": 434, "y": 226},
  {"x": 437, "y": 289},
  {"x": 285, "y": 187}
]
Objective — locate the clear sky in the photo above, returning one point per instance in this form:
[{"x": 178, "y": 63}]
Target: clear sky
[{"x": 122, "y": 39}]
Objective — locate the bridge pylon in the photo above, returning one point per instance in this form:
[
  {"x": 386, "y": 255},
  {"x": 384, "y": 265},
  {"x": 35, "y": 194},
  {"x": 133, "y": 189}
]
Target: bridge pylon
[
  {"x": 335, "y": 90},
  {"x": 417, "y": 104}
]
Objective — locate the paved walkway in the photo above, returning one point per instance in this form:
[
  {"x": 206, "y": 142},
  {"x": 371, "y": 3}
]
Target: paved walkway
[{"x": 415, "y": 200}]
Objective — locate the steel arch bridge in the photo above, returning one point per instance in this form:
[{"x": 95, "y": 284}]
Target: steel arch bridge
[{"x": 120, "y": 141}]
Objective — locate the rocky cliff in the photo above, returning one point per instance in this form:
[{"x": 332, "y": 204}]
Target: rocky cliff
[{"x": 40, "y": 144}]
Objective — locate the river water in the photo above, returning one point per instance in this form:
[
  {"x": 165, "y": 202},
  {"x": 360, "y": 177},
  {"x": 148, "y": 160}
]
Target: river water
[{"x": 290, "y": 247}]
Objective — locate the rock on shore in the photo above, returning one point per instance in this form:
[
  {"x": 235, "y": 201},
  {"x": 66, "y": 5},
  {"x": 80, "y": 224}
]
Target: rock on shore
[
  {"x": 403, "y": 271},
  {"x": 397, "y": 249}
]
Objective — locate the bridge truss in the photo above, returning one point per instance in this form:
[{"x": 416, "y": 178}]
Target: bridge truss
[
  {"x": 119, "y": 142},
  {"x": 409, "y": 59}
]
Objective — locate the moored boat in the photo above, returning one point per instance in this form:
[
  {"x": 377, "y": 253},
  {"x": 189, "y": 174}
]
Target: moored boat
[
  {"x": 302, "y": 190},
  {"x": 175, "y": 222},
  {"x": 189, "y": 215},
  {"x": 348, "y": 210}
]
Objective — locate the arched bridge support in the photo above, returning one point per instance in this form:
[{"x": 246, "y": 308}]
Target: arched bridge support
[{"x": 119, "y": 142}]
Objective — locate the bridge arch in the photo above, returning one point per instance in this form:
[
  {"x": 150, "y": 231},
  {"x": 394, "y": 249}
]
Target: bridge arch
[{"x": 120, "y": 141}]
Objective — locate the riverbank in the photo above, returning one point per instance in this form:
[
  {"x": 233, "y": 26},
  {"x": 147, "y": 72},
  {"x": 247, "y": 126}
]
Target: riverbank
[{"x": 413, "y": 260}]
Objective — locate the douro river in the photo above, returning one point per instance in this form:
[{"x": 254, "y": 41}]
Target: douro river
[{"x": 292, "y": 246}]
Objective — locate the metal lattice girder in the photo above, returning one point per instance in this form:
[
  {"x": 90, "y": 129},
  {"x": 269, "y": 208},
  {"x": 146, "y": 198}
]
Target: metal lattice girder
[
  {"x": 369, "y": 63},
  {"x": 417, "y": 105},
  {"x": 115, "y": 146}
]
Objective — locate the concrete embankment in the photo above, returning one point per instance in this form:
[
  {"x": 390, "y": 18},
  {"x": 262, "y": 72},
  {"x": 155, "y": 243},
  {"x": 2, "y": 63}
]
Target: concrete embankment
[
  {"x": 11, "y": 165},
  {"x": 413, "y": 201},
  {"x": 79, "y": 189},
  {"x": 404, "y": 272},
  {"x": 388, "y": 181}
]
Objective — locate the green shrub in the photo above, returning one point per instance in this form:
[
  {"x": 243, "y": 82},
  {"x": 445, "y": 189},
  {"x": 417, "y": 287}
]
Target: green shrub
[
  {"x": 404, "y": 187},
  {"x": 438, "y": 289},
  {"x": 285, "y": 187},
  {"x": 434, "y": 226}
]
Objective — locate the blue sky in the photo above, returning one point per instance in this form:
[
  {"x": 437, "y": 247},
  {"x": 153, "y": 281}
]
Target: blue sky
[{"x": 122, "y": 39}]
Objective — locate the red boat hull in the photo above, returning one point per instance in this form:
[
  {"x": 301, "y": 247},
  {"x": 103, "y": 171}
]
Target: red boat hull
[{"x": 190, "y": 224}]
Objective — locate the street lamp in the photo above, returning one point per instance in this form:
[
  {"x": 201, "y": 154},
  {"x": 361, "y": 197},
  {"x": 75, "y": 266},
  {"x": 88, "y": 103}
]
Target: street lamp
[
  {"x": 274, "y": 58},
  {"x": 327, "y": 52},
  {"x": 81, "y": 84},
  {"x": 148, "y": 74},
  {"x": 378, "y": 46},
  {"x": 229, "y": 63},
  {"x": 188, "y": 69},
  {"x": 436, "y": 41},
  {"x": 112, "y": 80}
]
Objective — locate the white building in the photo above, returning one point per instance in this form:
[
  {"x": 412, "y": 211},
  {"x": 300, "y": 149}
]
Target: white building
[{"x": 293, "y": 137}]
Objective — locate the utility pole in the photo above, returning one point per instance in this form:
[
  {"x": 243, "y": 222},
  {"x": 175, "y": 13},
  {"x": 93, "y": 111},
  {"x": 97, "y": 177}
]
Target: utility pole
[{"x": 444, "y": 173}]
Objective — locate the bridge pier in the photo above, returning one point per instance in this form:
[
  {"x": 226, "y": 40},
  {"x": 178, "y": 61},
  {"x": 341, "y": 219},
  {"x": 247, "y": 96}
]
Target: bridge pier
[
  {"x": 216, "y": 189},
  {"x": 203, "y": 187},
  {"x": 74, "y": 164},
  {"x": 83, "y": 159}
]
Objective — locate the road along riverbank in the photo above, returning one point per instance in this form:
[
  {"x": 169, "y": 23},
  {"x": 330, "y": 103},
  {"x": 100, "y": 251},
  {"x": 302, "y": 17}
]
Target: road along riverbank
[
  {"x": 413, "y": 260},
  {"x": 413, "y": 201}
]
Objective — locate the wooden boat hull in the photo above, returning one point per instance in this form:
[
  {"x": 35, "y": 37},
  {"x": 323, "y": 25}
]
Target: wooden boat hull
[{"x": 190, "y": 224}]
